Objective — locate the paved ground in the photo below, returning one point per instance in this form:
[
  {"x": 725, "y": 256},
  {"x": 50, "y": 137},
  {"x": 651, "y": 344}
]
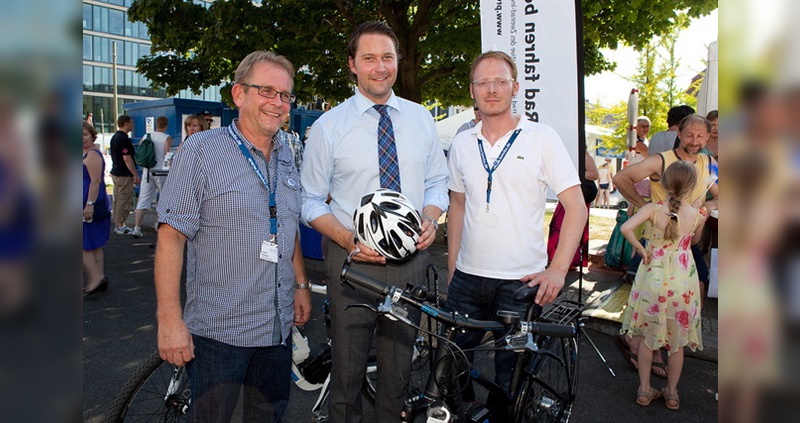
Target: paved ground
[{"x": 120, "y": 332}]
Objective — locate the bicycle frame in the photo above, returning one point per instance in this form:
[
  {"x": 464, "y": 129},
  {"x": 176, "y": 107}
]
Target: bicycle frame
[{"x": 520, "y": 339}]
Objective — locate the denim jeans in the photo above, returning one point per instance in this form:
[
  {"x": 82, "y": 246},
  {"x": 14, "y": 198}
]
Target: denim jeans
[
  {"x": 481, "y": 298},
  {"x": 220, "y": 371}
]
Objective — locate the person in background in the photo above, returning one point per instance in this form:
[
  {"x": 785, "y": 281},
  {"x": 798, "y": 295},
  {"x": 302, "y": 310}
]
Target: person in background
[
  {"x": 667, "y": 140},
  {"x": 208, "y": 117},
  {"x": 194, "y": 124},
  {"x": 342, "y": 158},
  {"x": 495, "y": 240},
  {"x": 151, "y": 185},
  {"x": 604, "y": 180},
  {"x": 232, "y": 201},
  {"x": 663, "y": 309},
  {"x": 123, "y": 173},
  {"x": 472, "y": 122},
  {"x": 692, "y": 132},
  {"x": 642, "y": 143},
  {"x": 589, "y": 191},
  {"x": 712, "y": 146},
  {"x": 18, "y": 213},
  {"x": 96, "y": 215}
]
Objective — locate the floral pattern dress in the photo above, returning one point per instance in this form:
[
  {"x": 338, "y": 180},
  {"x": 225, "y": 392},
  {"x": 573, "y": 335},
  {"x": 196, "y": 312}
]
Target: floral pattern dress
[{"x": 664, "y": 304}]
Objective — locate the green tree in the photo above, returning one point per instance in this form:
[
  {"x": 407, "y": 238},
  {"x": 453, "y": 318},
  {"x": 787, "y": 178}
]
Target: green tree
[
  {"x": 657, "y": 82},
  {"x": 194, "y": 47}
]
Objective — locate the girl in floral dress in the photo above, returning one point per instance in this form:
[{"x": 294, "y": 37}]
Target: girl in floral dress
[{"x": 663, "y": 309}]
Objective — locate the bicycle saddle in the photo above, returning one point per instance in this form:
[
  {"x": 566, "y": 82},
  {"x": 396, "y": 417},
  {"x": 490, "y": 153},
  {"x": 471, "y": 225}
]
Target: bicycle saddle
[{"x": 526, "y": 293}]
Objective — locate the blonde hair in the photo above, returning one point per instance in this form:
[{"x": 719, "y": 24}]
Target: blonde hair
[
  {"x": 493, "y": 54},
  {"x": 200, "y": 121},
  {"x": 678, "y": 180}
]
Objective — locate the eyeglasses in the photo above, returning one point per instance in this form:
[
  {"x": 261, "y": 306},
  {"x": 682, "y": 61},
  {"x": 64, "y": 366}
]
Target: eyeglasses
[
  {"x": 210, "y": 120},
  {"x": 498, "y": 82},
  {"x": 270, "y": 92}
]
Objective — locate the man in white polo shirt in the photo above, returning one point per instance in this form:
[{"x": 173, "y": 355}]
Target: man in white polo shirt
[{"x": 499, "y": 174}]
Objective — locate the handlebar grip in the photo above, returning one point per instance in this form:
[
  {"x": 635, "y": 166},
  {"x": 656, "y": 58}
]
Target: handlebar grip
[
  {"x": 525, "y": 293},
  {"x": 553, "y": 329},
  {"x": 352, "y": 276}
]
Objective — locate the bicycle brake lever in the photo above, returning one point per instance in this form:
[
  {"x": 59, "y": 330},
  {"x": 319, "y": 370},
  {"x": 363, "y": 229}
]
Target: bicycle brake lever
[{"x": 362, "y": 305}]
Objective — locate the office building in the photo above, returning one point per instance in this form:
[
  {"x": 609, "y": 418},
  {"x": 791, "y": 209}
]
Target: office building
[{"x": 105, "y": 23}]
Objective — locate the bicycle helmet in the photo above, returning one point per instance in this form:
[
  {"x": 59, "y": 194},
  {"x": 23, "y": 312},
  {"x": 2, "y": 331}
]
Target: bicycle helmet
[{"x": 388, "y": 223}]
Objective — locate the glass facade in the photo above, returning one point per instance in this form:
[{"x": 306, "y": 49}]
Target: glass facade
[{"x": 104, "y": 26}]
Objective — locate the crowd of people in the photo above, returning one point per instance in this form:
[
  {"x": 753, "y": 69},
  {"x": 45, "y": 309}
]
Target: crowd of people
[{"x": 229, "y": 209}]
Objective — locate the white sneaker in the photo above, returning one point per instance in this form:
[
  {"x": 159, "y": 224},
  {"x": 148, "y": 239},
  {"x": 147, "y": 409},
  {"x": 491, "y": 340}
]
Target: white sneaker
[
  {"x": 137, "y": 232},
  {"x": 122, "y": 230}
]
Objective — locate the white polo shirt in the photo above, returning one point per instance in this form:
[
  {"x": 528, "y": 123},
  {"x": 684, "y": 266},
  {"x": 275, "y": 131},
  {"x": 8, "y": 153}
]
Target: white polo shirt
[{"x": 515, "y": 246}]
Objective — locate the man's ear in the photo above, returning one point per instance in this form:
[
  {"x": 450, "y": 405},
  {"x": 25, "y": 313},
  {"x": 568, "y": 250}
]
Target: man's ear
[{"x": 236, "y": 94}]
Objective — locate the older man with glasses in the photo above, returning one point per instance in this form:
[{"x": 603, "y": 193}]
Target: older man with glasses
[{"x": 233, "y": 198}]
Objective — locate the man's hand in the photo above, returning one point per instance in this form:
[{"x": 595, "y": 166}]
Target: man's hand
[
  {"x": 366, "y": 255},
  {"x": 428, "y": 235},
  {"x": 302, "y": 306},
  {"x": 175, "y": 342},
  {"x": 136, "y": 179},
  {"x": 550, "y": 283}
]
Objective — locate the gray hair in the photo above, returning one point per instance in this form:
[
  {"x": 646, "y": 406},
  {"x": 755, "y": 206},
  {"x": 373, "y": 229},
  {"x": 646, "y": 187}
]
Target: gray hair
[{"x": 245, "y": 69}]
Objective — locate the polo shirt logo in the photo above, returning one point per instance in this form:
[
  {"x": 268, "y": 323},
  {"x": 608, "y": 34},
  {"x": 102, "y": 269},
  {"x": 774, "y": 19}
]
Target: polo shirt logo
[{"x": 520, "y": 157}]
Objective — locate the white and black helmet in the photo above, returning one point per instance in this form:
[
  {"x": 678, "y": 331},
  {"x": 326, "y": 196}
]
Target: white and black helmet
[{"x": 388, "y": 223}]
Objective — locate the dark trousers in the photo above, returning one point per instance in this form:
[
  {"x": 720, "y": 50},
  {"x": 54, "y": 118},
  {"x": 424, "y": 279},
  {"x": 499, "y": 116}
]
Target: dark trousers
[
  {"x": 351, "y": 338},
  {"x": 481, "y": 298},
  {"x": 220, "y": 371}
]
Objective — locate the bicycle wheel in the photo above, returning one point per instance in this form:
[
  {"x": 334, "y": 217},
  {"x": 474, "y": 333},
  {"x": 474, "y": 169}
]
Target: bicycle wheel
[
  {"x": 157, "y": 391},
  {"x": 420, "y": 369},
  {"x": 549, "y": 390}
]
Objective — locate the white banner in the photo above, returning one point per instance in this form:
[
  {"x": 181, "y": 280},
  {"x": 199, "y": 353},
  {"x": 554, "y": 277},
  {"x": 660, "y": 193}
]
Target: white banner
[{"x": 541, "y": 37}]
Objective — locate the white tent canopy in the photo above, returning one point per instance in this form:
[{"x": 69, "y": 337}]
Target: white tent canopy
[
  {"x": 708, "y": 97},
  {"x": 446, "y": 128}
]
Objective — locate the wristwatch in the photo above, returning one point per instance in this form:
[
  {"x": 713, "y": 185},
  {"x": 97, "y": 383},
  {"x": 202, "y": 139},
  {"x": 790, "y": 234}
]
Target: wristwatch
[
  {"x": 433, "y": 221},
  {"x": 302, "y": 286},
  {"x": 90, "y": 203}
]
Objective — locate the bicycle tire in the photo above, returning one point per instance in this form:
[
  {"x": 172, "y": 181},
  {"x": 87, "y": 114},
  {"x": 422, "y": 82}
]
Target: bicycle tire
[
  {"x": 420, "y": 370},
  {"x": 143, "y": 398},
  {"x": 550, "y": 388}
]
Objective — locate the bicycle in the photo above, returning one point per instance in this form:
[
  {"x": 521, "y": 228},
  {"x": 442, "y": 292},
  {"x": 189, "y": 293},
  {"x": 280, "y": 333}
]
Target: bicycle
[
  {"x": 160, "y": 391},
  {"x": 544, "y": 382}
]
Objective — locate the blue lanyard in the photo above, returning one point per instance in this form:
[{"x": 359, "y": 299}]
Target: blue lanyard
[
  {"x": 273, "y": 209},
  {"x": 495, "y": 164}
]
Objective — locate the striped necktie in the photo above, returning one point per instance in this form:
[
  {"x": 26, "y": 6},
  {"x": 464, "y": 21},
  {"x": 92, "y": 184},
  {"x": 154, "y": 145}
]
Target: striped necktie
[{"x": 387, "y": 151}]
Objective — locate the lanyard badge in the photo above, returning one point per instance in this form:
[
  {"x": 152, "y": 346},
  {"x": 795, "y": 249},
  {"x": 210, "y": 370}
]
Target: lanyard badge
[
  {"x": 269, "y": 249},
  {"x": 495, "y": 164}
]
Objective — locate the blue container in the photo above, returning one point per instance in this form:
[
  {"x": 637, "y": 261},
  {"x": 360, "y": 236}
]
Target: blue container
[{"x": 311, "y": 243}]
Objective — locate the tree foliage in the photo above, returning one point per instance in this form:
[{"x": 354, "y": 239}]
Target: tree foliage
[
  {"x": 656, "y": 80},
  {"x": 196, "y": 47}
]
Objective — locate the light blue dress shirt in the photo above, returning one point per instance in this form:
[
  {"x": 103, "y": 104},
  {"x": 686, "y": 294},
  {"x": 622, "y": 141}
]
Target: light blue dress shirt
[{"x": 341, "y": 158}]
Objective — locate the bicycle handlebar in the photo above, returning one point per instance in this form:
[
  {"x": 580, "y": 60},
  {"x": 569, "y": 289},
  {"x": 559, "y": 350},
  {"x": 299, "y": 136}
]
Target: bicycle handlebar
[{"x": 354, "y": 277}]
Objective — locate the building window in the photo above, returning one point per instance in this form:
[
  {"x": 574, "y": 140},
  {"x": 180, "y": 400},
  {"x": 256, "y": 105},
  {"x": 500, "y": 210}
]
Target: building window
[
  {"x": 87, "y": 16},
  {"x": 100, "y": 19},
  {"x": 87, "y": 47},
  {"x": 116, "y": 23},
  {"x": 88, "y": 81}
]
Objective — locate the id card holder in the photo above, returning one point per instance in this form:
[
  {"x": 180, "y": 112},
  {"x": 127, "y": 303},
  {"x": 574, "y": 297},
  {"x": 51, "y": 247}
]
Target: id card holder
[
  {"x": 269, "y": 251},
  {"x": 487, "y": 218}
]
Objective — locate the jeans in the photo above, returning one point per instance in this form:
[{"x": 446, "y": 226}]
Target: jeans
[
  {"x": 220, "y": 371},
  {"x": 481, "y": 298}
]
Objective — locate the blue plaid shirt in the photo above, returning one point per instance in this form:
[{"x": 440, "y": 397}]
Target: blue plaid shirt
[{"x": 215, "y": 199}]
